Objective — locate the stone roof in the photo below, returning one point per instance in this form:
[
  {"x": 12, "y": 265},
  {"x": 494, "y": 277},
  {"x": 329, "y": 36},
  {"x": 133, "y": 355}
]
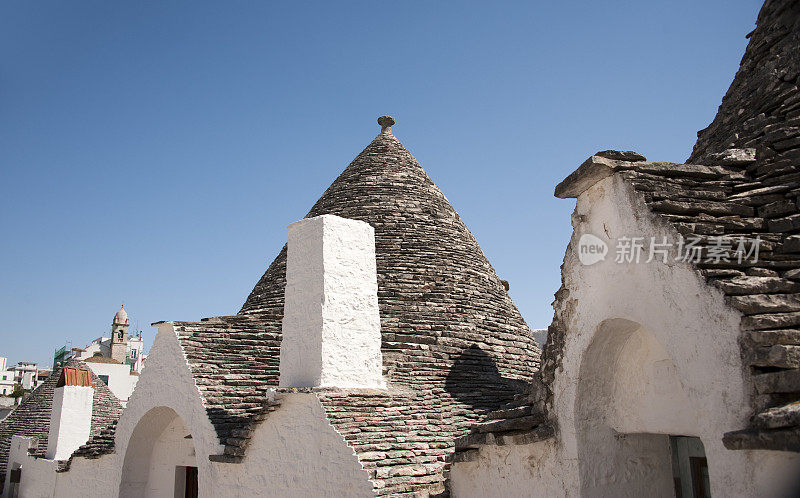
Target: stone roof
[
  {"x": 454, "y": 344},
  {"x": 234, "y": 361},
  {"x": 32, "y": 417}
]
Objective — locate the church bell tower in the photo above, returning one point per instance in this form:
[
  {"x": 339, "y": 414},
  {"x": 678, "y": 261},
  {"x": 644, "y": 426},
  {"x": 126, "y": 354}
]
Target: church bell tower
[{"x": 119, "y": 335}]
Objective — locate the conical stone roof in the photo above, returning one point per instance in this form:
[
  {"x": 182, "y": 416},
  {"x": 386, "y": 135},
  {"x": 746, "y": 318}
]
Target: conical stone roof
[
  {"x": 32, "y": 417},
  {"x": 454, "y": 345},
  {"x": 440, "y": 299}
]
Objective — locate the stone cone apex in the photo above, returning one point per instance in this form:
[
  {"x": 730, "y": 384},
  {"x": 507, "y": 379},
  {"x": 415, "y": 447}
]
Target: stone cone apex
[
  {"x": 436, "y": 289},
  {"x": 386, "y": 123}
]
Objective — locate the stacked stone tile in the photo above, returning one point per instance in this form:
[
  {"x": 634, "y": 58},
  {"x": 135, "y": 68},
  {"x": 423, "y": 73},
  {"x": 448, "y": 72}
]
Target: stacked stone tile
[
  {"x": 234, "y": 361},
  {"x": 32, "y": 417},
  {"x": 454, "y": 344},
  {"x": 98, "y": 444},
  {"x": 761, "y": 111},
  {"x": 523, "y": 420}
]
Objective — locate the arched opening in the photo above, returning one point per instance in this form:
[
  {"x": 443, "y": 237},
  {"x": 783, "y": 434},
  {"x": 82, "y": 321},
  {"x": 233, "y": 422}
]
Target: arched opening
[
  {"x": 160, "y": 459},
  {"x": 630, "y": 407}
]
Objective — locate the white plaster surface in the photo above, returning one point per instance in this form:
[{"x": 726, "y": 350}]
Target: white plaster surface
[
  {"x": 86, "y": 479},
  {"x": 331, "y": 324},
  {"x": 513, "y": 471},
  {"x": 70, "y": 420},
  {"x": 295, "y": 453},
  {"x": 663, "y": 348},
  {"x": 158, "y": 446},
  {"x": 120, "y": 381},
  {"x": 38, "y": 475}
]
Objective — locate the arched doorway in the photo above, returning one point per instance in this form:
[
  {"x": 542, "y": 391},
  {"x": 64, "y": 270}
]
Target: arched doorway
[
  {"x": 160, "y": 458},
  {"x": 630, "y": 405}
]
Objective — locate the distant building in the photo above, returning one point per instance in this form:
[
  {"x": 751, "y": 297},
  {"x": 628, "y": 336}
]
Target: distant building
[
  {"x": 124, "y": 349},
  {"x": 6, "y": 378},
  {"x": 26, "y": 374},
  {"x": 116, "y": 360}
]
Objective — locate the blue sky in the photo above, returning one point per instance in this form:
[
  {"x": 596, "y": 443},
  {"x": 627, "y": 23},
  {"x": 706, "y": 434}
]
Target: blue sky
[{"x": 153, "y": 153}]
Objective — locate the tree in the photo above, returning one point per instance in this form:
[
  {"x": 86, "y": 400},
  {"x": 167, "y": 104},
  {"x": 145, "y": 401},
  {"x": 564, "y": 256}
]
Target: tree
[{"x": 18, "y": 391}]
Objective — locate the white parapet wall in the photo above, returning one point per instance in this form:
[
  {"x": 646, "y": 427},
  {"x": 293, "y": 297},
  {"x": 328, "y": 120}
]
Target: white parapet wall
[
  {"x": 331, "y": 324},
  {"x": 70, "y": 420}
]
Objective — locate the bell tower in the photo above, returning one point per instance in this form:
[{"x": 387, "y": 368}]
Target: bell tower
[{"x": 119, "y": 335}]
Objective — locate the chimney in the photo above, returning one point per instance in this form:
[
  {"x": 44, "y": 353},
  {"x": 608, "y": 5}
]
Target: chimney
[
  {"x": 71, "y": 416},
  {"x": 331, "y": 324}
]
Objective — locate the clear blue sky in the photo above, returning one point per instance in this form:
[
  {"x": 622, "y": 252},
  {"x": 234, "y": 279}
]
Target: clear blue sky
[{"x": 153, "y": 153}]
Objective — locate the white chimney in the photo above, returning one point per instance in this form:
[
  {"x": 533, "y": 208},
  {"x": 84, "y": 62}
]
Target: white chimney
[
  {"x": 331, "y": 323},
  {"x": 71, "y": 416}
]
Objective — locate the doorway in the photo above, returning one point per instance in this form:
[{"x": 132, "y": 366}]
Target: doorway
[
  {"x": 186, "y": 482},
  {"x": 689, "y": 467}
]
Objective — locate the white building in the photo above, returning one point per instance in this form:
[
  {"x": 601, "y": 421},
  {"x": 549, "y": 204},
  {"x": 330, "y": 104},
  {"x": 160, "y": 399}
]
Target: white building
[
  {"x": 26, "y": 374},
  {"x": 129, "y": 349},
  {"x": 116, "y": 360},
  {"x": 6, "y": 378}
]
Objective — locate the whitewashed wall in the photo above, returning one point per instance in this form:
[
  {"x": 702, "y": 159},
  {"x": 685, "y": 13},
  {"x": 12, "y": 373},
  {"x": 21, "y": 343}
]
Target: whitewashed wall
[
  {"x": 515, "y": 471},
  {"x": 38, "y": 474},
  {"x": 295, "y": 453},
  {"x": 70, "y": 420},
  {"x": 688, "y": 335},
  {"x": 331, "y": 323}
]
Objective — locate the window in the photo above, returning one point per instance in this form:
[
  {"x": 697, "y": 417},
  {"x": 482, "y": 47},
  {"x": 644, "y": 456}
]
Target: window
[
  {"x": 133, "y": 354},
  {"x": 104, "y": 378}
]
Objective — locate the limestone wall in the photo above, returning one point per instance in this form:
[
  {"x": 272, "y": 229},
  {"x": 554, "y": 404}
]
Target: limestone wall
[{"x": 681, "y": 344}]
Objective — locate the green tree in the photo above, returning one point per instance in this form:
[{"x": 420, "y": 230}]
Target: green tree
[{"x": 18, "y": 391}]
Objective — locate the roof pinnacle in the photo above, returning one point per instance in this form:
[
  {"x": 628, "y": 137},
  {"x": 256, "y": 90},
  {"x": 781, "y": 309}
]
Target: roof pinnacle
[{"x": 386, "y": 123}]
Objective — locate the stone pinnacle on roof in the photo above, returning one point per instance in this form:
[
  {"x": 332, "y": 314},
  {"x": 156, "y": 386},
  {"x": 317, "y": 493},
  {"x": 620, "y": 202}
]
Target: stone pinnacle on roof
[{"x": 386, "y": 123}]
